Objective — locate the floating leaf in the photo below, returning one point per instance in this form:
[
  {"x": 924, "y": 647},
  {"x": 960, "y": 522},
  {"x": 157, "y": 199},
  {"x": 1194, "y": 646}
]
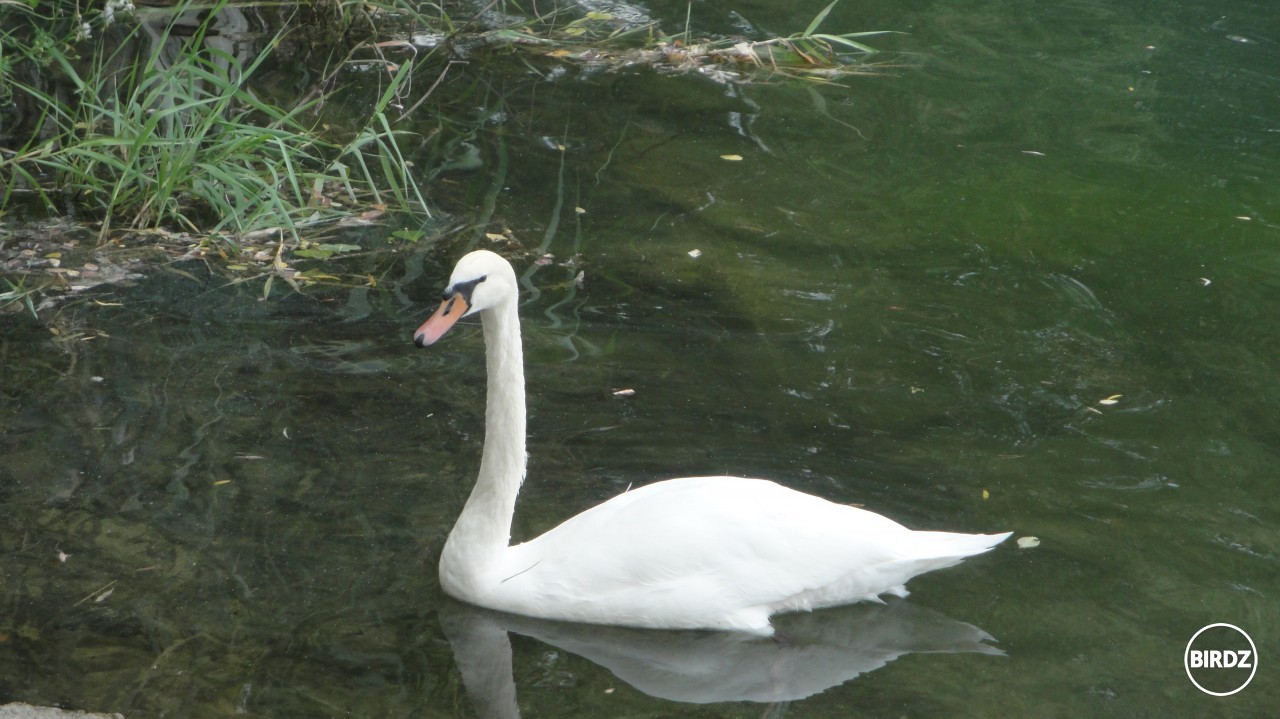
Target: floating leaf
[
  {"x": 695, "y": 254},
  {"x": 339, "y": 248},
  {"x": 1028, "y": 542},
  {"x": 628, "y": 392},
  {"x": 1111, "y": 400},
  {"x": 408, "y": 235},
  {"x": 986, "y": 494},
  {"x": 732, "y": 158},
  {"x": 312, "y": 253}
]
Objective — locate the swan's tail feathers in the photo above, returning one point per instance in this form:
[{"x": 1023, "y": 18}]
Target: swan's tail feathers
[
  {"x": 943, "y": 545},
  {"x": 939, "y": 550},
  {"x": 912, "y": 554}
]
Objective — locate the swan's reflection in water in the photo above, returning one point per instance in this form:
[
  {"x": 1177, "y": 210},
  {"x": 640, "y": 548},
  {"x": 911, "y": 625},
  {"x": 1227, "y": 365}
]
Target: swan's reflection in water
[{"x": 814, "y": 652}]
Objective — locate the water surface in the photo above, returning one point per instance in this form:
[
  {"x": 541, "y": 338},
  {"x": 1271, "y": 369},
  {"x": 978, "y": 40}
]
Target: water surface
[{"x": 913, "y": 292}]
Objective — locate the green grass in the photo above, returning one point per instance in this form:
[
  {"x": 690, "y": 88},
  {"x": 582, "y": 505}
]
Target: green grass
[
  {"x": 146, "y": 141},
  {"x": 17, "y": 293}
]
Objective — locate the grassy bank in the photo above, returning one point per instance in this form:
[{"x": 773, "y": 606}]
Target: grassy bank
[
  {"x": 159, "y": 127},
  {"x": 153, "y": 123}
]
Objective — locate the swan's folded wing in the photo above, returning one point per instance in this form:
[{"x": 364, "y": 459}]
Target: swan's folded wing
[{"x": 717, "y": 551}]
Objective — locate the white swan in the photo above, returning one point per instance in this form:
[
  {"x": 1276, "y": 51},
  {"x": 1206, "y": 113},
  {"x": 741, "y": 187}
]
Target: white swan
[{"x": 696, "y": 552}]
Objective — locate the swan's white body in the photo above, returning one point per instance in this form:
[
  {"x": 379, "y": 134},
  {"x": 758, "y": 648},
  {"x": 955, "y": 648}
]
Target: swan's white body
[{"x": 696, "y": 552}]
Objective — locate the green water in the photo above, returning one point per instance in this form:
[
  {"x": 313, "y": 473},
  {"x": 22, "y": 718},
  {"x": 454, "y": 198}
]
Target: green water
[{"x": 913, "y": 292}]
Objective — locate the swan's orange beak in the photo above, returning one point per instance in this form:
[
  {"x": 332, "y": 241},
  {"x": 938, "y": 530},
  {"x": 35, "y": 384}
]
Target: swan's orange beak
[{"x": 434, "y": 328}]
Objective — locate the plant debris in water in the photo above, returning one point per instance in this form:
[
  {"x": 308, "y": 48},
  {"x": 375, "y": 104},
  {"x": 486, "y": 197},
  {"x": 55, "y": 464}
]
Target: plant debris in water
[{"x": 619, "y": 36}]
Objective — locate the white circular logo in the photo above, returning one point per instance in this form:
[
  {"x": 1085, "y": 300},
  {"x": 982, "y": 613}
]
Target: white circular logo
[{"x": 1220, "y": 659}]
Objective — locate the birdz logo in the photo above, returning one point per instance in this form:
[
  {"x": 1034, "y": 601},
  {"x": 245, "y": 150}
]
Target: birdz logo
[{"x": 1221, "y": 659}]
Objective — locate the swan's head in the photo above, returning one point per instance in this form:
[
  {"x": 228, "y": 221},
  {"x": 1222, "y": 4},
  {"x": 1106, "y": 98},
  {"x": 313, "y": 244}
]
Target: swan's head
[{"x": 480, "y": 280}]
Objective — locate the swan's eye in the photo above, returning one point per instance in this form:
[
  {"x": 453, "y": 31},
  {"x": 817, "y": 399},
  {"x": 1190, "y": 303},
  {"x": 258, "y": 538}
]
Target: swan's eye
[{"x": 465, "y": 288}]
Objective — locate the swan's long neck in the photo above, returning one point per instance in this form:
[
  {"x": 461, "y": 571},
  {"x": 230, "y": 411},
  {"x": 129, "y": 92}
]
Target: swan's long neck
[{"x": 483, "y": 531}]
